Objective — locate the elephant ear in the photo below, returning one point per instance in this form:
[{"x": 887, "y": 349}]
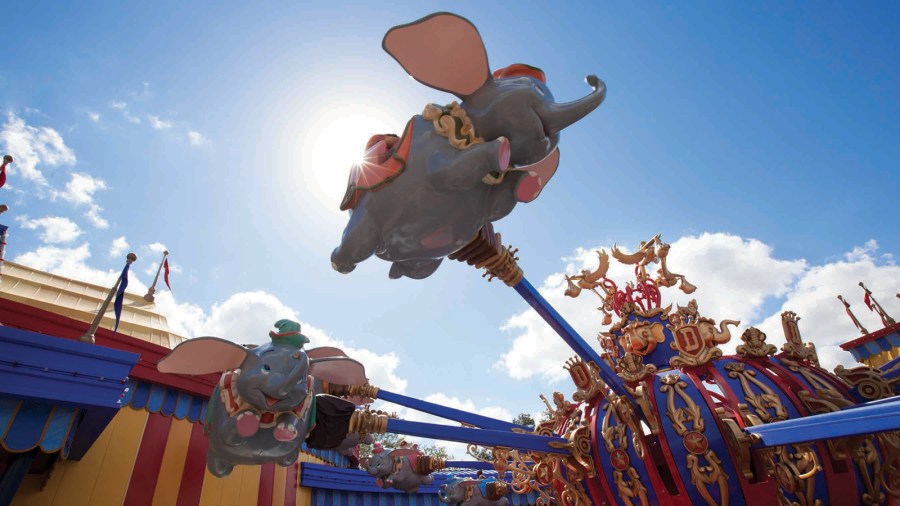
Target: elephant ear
[
  {"x": 443, "y": 51},
  {"x": 340, "y": 370},
  {"x": 203, "y": 355},
  {"x": 539, "y": 174},
  {"x": 325, "y": 351}
]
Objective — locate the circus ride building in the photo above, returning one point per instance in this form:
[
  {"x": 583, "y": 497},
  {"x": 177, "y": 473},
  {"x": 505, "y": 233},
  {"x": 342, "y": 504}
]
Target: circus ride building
[{"x": 113, "y": 408}]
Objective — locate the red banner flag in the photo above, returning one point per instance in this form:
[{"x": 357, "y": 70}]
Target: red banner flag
[
  {"x": 868, "y": 301},
  {"x": 166, "y": 278}
]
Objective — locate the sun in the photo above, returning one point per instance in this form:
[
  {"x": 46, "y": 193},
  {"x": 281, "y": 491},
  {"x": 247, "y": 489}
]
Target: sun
[{"x": 334, "y": 144}]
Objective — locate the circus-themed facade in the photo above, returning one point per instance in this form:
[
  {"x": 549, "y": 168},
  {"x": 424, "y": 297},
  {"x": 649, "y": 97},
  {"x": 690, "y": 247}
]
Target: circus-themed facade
[{"x": 95, "y": 424}]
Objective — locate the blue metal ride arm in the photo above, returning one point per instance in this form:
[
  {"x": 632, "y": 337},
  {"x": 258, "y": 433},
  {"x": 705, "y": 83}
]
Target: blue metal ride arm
[
  {"x": 484, "y": 437},
  {"x": 457, "y": 415},
  {"x": 869, "y": 418},
  {"x": 568, "y": 334}
]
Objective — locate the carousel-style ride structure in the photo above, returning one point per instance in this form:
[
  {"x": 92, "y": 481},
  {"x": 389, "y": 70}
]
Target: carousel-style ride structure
[{"x": 659, "y": 415}]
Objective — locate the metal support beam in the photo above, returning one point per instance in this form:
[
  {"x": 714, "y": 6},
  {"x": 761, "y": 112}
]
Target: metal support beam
[
  {"x": 879, "y": 416},
  {"x": 449, "y": 413},
  {"x": 570, "y": 336},
  {"x": 484, "y": 437}
]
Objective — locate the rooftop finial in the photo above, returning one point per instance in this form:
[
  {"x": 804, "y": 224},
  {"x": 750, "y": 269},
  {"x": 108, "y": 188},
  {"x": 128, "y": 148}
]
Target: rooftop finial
[
  {"x": 873, "y": 305},
  {"x": 852, "y": 316}
]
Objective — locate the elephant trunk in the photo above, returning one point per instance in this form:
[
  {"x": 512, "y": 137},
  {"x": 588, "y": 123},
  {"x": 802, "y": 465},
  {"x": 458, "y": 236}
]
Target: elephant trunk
[
  {"x": 297, "y": 374},
  {"x": 556, "y": 117}
]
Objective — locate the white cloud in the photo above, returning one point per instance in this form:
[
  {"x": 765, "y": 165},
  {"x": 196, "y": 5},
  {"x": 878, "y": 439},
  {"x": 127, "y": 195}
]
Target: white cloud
[
  {"x": 95, "y": 116},
  {"x": 195, "y": 138},
  {"x": 735, "y": 278},
  {"x": 56, "y": 229},
  {"x": 80, "y": 191},
  {"x": 71, "y": 263},
  {"x": 158, "y": 124},
  {"x": 244, "y": 317},
  {"x": 823, "y": 320},
  {"x": 33, "y": 146},
  {"x": 118, "y": 104},
  {"x": 118, "y": 247},
  {"x": 132, "y": 118}
]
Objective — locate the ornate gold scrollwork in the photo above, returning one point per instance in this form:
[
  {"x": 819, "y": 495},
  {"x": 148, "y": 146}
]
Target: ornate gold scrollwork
[
  {"x": 890, "y": 470},
  {"x": 540, "y": 474},
  {"x": 486, "y": 251},
  {"x": 631, "y": 368},
  {"x": 794, "y": 468},
  {"x": 643, "y": 401},
  {"x": 755, "y": 345},
  {"x": 869, "y": 466},
  {"x": 694, "y": 440},
  {"x": 867, "y": 381},
  {"x": 365, "y": 422},
  {"x": 615, "y": 439},
  {"x": 452, "y": 122},
  {"x": 794, "y": 346},
  {"x": 761, "y": 402},
  {"x": 738, "y": 442},
  {"x": 586, "y": 376}
]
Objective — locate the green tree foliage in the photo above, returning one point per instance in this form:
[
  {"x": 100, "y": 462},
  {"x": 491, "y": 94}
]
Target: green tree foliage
[{"x": 524, "y": 419}]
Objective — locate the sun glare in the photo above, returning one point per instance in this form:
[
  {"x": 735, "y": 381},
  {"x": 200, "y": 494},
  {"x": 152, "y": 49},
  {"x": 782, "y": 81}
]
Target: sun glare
[{"x": 333, "y": 145}]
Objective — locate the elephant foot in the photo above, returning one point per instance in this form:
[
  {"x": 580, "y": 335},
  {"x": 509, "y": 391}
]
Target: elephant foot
[
  {"x": 342, "y": 267},
  {"x": 415, "y": 269},
  {"x": 247, "y": 423},
  {"x": 285, "y": 432},
  {"x": 218, "y": 467}
]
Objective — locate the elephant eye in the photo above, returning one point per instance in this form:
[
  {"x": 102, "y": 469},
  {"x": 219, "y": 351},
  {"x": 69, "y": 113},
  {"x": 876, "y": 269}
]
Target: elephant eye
[{"x": 266, "y": 368}]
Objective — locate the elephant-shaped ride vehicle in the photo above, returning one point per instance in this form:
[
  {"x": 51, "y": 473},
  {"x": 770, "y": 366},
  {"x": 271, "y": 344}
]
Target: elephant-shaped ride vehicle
[
  {"x": 425, "y": 194},
  {"x": 402, "y": 468},
  {"x": 265, "y": 406},
  {"x": 459, "y": 491}
]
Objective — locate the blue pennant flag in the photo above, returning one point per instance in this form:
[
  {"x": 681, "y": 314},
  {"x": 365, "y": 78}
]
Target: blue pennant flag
[{"x": 120, "y": 295}]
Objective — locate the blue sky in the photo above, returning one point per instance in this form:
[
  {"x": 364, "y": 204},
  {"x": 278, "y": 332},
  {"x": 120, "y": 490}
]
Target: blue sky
[{"x": 762, "y": 139}]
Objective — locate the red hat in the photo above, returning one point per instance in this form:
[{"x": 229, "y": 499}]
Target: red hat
[{"x": 520, "y": 70}]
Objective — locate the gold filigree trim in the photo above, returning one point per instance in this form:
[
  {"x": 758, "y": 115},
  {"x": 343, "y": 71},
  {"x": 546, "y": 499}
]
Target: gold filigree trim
[
  {"x": 763, "y": 401},
  {"x": 794, "y": 346},
  {"x": 364, "y": 422},
  {"x": 689, "y": 424},
  {"x": 631, "y": 368},
  {"x": 867, "y": 381},
  {"x": 755, "y": 345},
  {"x": 628, "y": 482},
  {"x": 794, "y": 468},
  {"x": 486, "y": 251},
  {"x": 586, "y": 376},
  {"x": 452, "y": 122}
]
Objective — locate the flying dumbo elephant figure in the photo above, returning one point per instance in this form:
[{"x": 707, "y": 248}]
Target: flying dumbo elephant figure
[
  {"x": 483, "y": 492},
  {"x": 264, "y": 406},
  {"x": 425, "y": 194},
  {"x": 400, "y": 469}
]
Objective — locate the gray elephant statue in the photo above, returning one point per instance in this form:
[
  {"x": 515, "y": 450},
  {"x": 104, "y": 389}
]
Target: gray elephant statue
[
  {"x": 418, "y": 197},
  {"x": 482, "y": 492},
  {"x": 403, "y": 468},
  {"x": 264, "y": 406},
  {"x": 349, "y": 445}
]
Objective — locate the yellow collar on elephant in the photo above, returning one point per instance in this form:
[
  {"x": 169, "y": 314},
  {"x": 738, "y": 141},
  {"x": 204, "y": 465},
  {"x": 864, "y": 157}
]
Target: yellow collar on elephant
[
  {"x": 234, "y": 403},
  {"x": 452, "y": 122}
]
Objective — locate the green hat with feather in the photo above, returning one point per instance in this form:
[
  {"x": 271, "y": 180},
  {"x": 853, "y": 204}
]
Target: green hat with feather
[{"x": 288, "y": 333}]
